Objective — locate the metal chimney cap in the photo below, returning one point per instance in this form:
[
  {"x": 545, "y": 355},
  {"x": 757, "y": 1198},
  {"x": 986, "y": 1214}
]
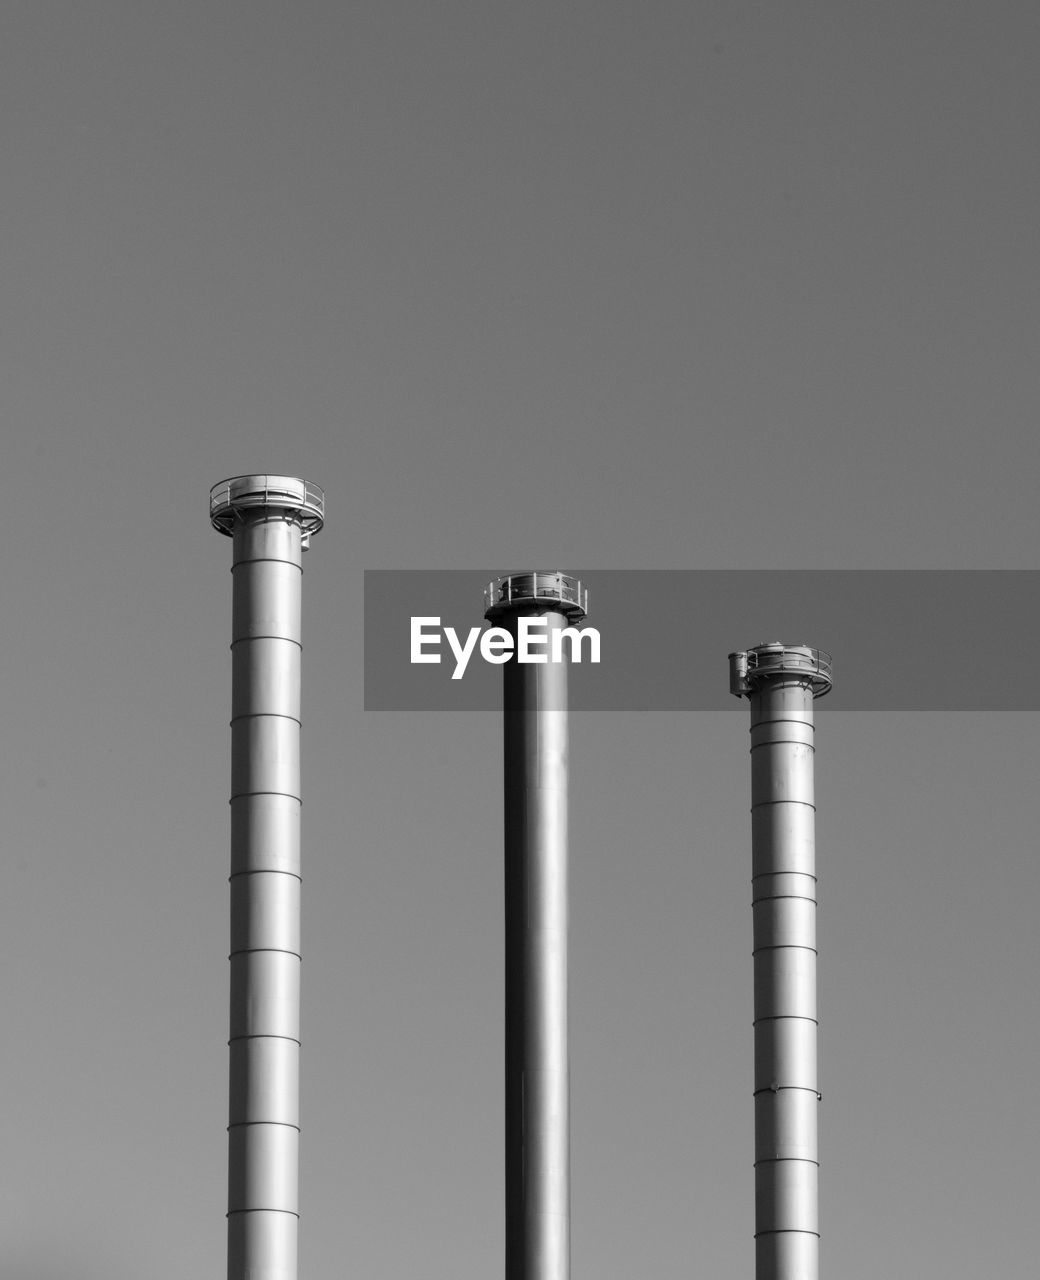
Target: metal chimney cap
[
  {"x": 231, "y": 497},
  {"x": 536, "y": 591},
  {"x": 799, "y": 661}
]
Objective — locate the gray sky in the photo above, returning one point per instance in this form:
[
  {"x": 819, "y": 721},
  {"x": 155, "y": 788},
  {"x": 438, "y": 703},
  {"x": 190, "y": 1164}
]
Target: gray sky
[{"x": 619, "y": 285}]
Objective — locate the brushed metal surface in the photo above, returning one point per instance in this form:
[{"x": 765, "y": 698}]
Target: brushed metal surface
[
  {"x": 786, "y": 1197},
  {"x": 537, "y": 1159},
  {"x": 781, "y": 684},
  {"x": 270, "y": 679},
  {"x": 264, "y": 1076},
  {"x": 785, "y": 1124},
  {"x": 784, "y": 921},
  {"x": 265, "y": 833},
  {"x": 785, "y": 1053},
  {"x": 269, "y": 519},
  {"x": 265, "y": 912},
  {"x": 792, "y": 1254},
  {"x": 263, "y": 1245},
  {"x": 263, "y": 1164}
]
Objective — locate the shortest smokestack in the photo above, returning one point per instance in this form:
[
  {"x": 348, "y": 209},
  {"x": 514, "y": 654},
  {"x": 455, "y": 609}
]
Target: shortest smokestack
[{"x": 781, "y": 683}]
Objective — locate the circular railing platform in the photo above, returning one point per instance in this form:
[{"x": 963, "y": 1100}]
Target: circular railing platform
[
  {"x": 554, "y": 590},
  {"x": 801, "y": 661},
  {"x": 244, "y": 493}
]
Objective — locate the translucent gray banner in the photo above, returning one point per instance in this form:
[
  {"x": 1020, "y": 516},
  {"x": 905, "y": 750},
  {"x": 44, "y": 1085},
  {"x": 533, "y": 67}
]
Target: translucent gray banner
[{"x": 907, "y": 640}]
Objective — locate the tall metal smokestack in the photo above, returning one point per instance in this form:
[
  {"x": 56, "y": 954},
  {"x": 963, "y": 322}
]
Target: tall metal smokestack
[
  {"x": 537, "y": 1074},
  {"x": 271, "y": 519},
  {"x": 781, "y": 682}
]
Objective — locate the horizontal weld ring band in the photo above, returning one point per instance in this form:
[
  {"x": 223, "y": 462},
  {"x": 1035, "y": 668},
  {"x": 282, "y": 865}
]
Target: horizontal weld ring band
[
  {"x": 266, "y": 715},
  {"x": 761, "y": 804},
  {"x": 787, "y": 1231},
  {"x": 784, "y": 946},
  {"x": 265, "y": 871},
  {"x": 244, "y": 795},
  {"x": 783, "y": 1088},
  {"x": 786, "y": 1160},
  {"x": 266, "y": 560},
  {"x": 775, "y": 1017},
  {"x": 248, "y": 639},
  {"x": 265, "y": 1036},
  {"x": 234, "y": 1213},
  {"x": 251, "y": 1124},
  {"x": 250, "y": 951}
]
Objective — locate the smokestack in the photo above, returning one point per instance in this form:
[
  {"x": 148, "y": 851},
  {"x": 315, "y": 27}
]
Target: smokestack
[
  {"x": 271, "y": 519},
  {"x": 536, "y": 1078},
  {"x": 781, "y": 682}
]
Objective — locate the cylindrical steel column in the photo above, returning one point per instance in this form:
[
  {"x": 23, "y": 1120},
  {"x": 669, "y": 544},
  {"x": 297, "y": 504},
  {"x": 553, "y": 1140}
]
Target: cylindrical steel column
[
  {"x": 537, "y": 1163},
  {"x": 781, "y": 683},
  {"x": 270, "y": 519}
]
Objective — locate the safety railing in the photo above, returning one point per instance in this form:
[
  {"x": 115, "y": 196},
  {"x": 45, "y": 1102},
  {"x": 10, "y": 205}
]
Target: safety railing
[
  {"x": 765, "y": 660},
  {"x": 515, "y": 590},
  {"x": 240, "y": 493}
]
